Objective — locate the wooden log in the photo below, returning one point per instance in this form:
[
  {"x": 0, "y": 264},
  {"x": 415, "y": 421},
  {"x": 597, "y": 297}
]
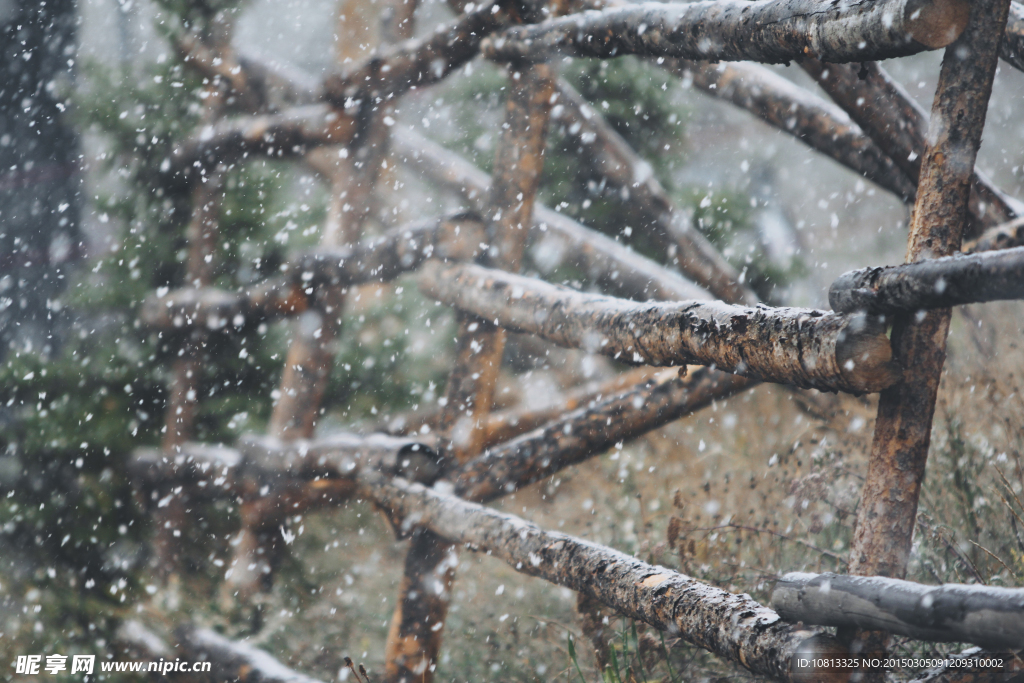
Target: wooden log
[
  {"x": 1004, "y": 236},
  {"x": 656, "y": 213},
  {"x": 899, "y": 450},
  {"x": 415, "y": 635},
  {"x": 1012, "y": 47},
  {"x": 988, "y": 616},
  {"x": 767, "y": 31},
  {"x": 380, "y": 259},
  {"x": 817, "y": 123},
  {"x": 890, "y": 117},
  {"x": 612, "y": 266},
  {"x": 216, "y": 309},
  {"x": 734, "y": 627},
  {"x": 234, "y": 660},
  {"x": 801, "y": 347},
  {"x": 590, "y": 430},
  {"x": 286, "y": 134},
  {"x": 415, "y": 63},
  {"x": 932, "y": 283}
]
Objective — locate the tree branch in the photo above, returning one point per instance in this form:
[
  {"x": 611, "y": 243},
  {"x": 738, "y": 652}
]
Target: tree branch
[
  {"x": 984, "y": 615},
  {"x": 768, "y": 31},
  {"x": 802, "y": 347},
  {"x": 932, "y": 283}
]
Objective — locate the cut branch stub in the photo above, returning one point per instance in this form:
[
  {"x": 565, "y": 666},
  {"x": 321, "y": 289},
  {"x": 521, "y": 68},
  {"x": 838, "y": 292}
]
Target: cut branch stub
[
  {"x": 984, "y": 615},
  {"x": 768, "y": 31},
  {"x": 591, "y": 430},
  {"x": 933, "y": 283},
  {"x": 801, "y": 347},
  {"x": 734, "y": 627}
]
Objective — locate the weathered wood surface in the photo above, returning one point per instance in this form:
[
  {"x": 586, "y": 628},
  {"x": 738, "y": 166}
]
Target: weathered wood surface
[
  {"x": 899, "y": 450},
  {"x": 1012, "y": 47},
  {"x": 768, "y": 31},
  {"x": 1004, "y": 236},
  {"x": 591, "y": 430},
  {"x": 932, "y": 283},
  {"x": 234, "y": 660},
  {"x": 890, "y": 117},
  {"x": 610, "y": 265},
  {"x": 801, "y": 347},
  {"x": 819, "y": 124},
  {"x": 734, "y": 627},
  {"x": 656, "y": 214},
  {"x": 988, "y": 616}
]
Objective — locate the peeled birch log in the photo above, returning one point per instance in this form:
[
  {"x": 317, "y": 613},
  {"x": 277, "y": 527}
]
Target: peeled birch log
[
  {"x": 734, "y": 627},
  {"x": 817, "y": 123},
  {"x": 556, "y": 237},
  {"x": 590, "y": 430},
  {"x": 1012, "y": 47},
  {"x": 800, "y": 347},
  {"x": 656, "y": 213},
  {"x": 932, "y": 283},
  {"x": 768, "y": 31},
  {"x": 984, "y": 615},
  {"x": 233, "y": 660}
]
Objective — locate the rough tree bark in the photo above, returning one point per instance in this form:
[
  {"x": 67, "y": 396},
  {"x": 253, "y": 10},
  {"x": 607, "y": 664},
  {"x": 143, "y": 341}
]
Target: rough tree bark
[
  {"x": 801, "y": 347},
  {"x": 768, "y": 31},
  {"x": 932, "y": 283},
  {"x": 608, "y": 263},
  {"x": 988, "y": 616},
  {"x": 591, "y": 430},
  {"x": 656, "y": 213},
  {"x": 902, "y": 432},
  {"x": 899, "y": 450},
  {"x": 819, "y": 124},
  {"x": 885, "y": 111},
  {"x": 734, "y": 627}
]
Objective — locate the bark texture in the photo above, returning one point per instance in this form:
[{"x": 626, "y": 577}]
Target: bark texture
[
  {"x": 667, "y": 224},
  {"x": 734, "y": 627},
  {"x": 768, "y": 31},
  {"x": 819, "y": 124},
  {"x": 899, "y": 451},
  {"x": 558, "y": 239},
  {"x": 801, "y": 347},
  {"x": 591, "y": 430},
  {"x": 932, "y": 283},
  {"x": 984, "y": 615},
  {"x": 899, "y": 126}
]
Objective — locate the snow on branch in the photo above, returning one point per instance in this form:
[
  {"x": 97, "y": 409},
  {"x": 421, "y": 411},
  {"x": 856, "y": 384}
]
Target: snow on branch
[
  {"x": 932, "y": 283},
  {"x": 768, "y": 31},
  {"x": 984, "y": 615},
  {"x": 802, "y": 347}
]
